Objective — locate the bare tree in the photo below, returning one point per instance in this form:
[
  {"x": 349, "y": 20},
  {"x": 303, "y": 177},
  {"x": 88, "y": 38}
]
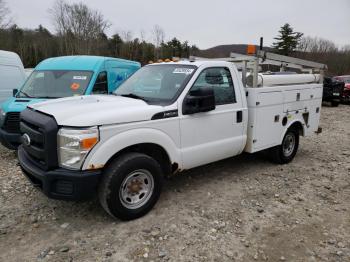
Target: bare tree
[
  {"x": 158, "y": 38},
  {"x": 316, "y": 45},
  {"x": 79, "y": 25},
  {"x": 126, "y": 35},
  {"x": 325, "y": 51},
  {"x": 142, "y": 35},
  {"x": 5, "y": 19},
  {"x": 158, "y": 35},
  {"x": 346, "y": 49},
  {"x": 126, "y": 49}
]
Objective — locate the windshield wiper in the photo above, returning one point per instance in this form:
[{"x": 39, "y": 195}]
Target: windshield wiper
[
  {"x": 131, "y": 95},
  {"x": 25, "y": 94},
  {"x": 47, "y": 97}
]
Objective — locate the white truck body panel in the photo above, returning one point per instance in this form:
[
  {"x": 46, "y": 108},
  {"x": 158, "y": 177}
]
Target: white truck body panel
[
  {"x": 164, "y": 132},
  {"x": 95, "y": 110},
  {"x": 267, "y": 106}
]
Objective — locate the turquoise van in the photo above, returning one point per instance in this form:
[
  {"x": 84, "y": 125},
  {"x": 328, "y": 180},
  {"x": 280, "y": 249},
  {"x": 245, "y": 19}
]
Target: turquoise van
[{"x": 62, "y": 77}]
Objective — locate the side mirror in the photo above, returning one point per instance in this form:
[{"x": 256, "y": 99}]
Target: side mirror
[
  {"x": 102, "y": 77},
  {"x": 14, "y": 92},
  {"x": 200, "y": 100}
]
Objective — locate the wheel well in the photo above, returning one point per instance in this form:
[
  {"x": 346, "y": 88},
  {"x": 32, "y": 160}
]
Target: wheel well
[
  {"x": 297, "y": 126},
  {"x": 153, "y": 150}
]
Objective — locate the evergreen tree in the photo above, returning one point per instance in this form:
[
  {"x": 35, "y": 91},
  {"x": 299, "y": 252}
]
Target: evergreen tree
[{"x": 287, "y": 41}]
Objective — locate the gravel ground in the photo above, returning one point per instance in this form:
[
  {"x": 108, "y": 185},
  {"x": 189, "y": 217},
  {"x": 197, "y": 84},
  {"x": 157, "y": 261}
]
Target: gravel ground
[{"x": 242, "y": 209}]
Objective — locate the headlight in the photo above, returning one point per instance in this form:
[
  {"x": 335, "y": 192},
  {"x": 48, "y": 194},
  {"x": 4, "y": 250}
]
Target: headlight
[{"x": 74, "y": 145}]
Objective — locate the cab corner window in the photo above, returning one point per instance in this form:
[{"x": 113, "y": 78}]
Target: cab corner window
[
  {"x": 101, "y": 84},
  {"x": 220, "y": 79}
]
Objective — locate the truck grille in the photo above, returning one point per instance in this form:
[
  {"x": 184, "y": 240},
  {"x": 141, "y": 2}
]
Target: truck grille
[
  {"x": 41, "y": 130},
  {"x": 11, "y": 124}
]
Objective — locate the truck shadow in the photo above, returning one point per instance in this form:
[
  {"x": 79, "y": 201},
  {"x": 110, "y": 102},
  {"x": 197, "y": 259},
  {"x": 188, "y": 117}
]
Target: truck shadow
[
  {"x": 234, "y": 166},
  {"x": 228, "y": 169}
]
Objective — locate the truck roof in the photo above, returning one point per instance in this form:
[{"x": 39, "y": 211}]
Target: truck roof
[
  {"x": 10, "y": 58},
  {"x": 82, "y": 62},
  {"x": 195, "y": 63}
]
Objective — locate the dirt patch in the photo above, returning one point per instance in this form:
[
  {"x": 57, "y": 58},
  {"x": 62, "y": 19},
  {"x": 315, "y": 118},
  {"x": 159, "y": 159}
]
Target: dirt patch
[{"x": 243, "y": 209}]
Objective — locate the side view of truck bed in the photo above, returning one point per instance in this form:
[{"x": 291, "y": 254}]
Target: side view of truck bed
[{"x": 272, "y": 110}]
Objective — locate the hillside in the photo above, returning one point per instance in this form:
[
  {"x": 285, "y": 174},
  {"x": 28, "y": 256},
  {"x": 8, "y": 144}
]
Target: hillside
[{"x": 225, "y": 50}]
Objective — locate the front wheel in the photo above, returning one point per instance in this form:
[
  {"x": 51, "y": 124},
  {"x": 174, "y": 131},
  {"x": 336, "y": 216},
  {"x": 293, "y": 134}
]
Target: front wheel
[
  {"x": 285, "y": 152},
  {"x": 130, "y": 186}
]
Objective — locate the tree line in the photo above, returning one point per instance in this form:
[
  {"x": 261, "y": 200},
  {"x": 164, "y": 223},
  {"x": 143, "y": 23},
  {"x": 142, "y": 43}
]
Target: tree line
[
  {"x": 292, "y": 43},
  {"x": 80, "y": 30}
]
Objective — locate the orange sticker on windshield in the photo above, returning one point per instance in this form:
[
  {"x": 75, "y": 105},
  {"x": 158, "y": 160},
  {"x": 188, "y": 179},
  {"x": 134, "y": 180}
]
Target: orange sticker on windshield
[{"x": 75, "y": 86}]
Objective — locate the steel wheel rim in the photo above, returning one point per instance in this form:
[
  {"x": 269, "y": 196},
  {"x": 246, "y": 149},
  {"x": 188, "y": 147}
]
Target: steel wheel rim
[
  {"x": 136, "y": 189},
  {"x": 288, "y": 145}
]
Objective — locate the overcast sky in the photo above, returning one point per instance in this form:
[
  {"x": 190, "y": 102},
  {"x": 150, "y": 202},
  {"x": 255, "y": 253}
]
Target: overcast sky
[{"x": 208, "y": 23}]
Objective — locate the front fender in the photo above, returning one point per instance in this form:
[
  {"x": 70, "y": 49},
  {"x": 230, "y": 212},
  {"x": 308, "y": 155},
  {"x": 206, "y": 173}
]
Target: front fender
[{"x": 107, "y": 148}]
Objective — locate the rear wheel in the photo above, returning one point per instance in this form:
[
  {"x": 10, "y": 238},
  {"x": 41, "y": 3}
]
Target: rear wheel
[
  {"x": 130, "y": 186},
  {"x": 285, "y": 152}
]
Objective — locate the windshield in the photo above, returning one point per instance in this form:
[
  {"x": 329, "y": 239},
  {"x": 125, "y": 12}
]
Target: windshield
[
  {"x": 345, "y": 79},
  {"x": 157, "y": 84},
  {"x": 55, "y": 84}
]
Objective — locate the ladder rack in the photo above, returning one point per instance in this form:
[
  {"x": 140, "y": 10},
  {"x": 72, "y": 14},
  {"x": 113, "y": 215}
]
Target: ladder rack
[{"x": 252, "y": 64}]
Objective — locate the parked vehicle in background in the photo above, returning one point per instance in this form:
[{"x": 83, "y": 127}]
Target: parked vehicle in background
[
  {"x": 12, "y": 74},
  {"x": 62, "y": 77},
  {"x": 28, "y": 71},
  {"x": 346, "y": 93},
  {"x": 332, "y": 91},
  {"x": 195, "y": 113}
]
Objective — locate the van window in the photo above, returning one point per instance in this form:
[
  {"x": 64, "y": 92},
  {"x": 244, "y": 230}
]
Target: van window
[
  {"x": 101, "y": 84},
  {"x": 118, "y": 75},
  {"x": 11, "y": 77}
]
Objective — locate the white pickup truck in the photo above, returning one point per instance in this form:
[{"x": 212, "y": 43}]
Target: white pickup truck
[{"x": 167, "y": 118}]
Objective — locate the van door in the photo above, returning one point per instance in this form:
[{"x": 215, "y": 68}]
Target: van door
[
  {"x": 217, "y": 134},
  {"x": 117, "y": 74},
  {"x": 101, "y": 84}
]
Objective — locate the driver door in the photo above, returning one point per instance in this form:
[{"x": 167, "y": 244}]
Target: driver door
[{"x": 210, "y": 136}]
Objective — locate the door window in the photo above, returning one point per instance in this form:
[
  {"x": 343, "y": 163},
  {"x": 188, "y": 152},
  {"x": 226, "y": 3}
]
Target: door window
[
  {"x": 101, "y": 84},
  {"x": 221, "y": 80}
]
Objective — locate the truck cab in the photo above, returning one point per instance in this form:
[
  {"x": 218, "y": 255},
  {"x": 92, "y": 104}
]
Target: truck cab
[{"x": 62, "y": 77}]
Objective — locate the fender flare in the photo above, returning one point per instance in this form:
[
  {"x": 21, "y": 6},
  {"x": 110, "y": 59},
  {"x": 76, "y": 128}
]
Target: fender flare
[{"x": 289, "y": 125}]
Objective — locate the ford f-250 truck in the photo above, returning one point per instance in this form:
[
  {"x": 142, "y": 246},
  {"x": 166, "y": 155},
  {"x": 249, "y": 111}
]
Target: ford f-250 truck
[{"x": 166, "y": 118}]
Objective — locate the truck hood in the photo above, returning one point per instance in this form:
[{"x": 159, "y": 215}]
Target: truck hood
[{"x": 96, "y": 110}]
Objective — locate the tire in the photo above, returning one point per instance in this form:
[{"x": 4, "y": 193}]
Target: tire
[
  {"x": 130, "y": 186},
  {"x": 335, "y": 104},
  {"x": 285, "y": 152}
]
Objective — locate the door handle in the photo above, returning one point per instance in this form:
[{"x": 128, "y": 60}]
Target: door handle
[{"x": 239, "y": 116}]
